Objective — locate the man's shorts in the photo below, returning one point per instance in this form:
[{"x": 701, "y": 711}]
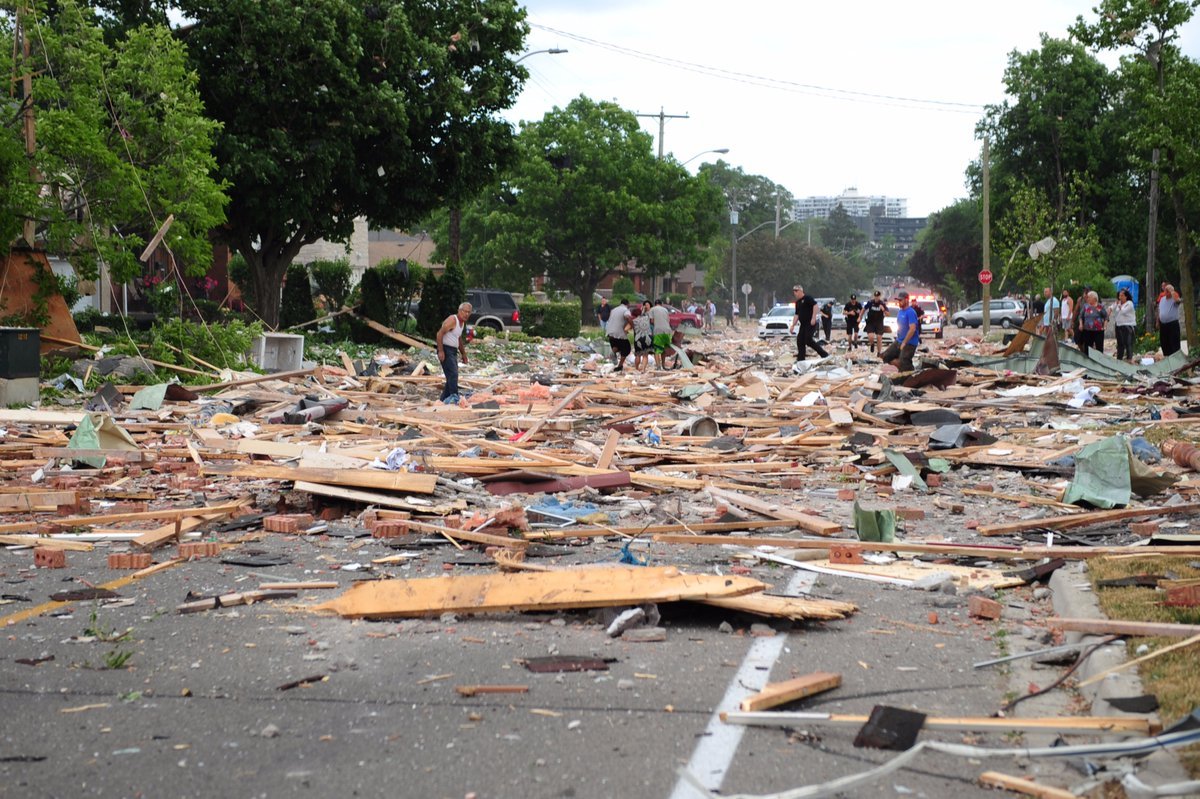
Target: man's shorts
[
  {"x": 661, "y": 342},
  {"x": 873, "y": 327}
]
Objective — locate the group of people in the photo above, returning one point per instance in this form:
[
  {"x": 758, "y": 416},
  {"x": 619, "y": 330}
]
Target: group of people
[
  {"x": 650, "y": 326},
  {"x": 810, "y": 317},
  {"x": 1083, "y": 320}
]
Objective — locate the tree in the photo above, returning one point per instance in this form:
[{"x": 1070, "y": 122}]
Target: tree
[
  {"x": 756, "y": 197},
  {"x": 1164, "y": 133},
  {"x": 122, "y": 143},
  {"x": 949, "y": 250},
  {"x": 587, "y": 197},
  {"x": 334, "y": 109}
]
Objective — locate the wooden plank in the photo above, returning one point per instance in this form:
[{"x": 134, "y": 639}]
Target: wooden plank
[
  {"x": 1145, "y": 629},
  {"x": 19, "y": 416},
  {"x": 1085, "y": 519},
  {"x": 171, "y": 532},
  {"x": 652, "y": 529},
  {"x": 784, "y": 607},
  {"x": 161, "y": 364},
  {"x": 1089, "y": 725},
  {"x": 27, "y": 501},
  {"x": 68, "y": 453},
  {"x": 473, "y": 536},
  {"x": 392, "y": 334},
  {"x": 776, "y": 510},
  {"x": 995, "y": 779},
  {"x": 373, "y": 479},
  {"x": 556, "y": 590},
  {"x": 374, "y": 498},
  {"x": 116, "y": 518},
  {"x": 780, "y": 693},
  {"x": 43, "y": 541},
  {"x": 249, "y": 381},
  {"x": 610, "y": 449}
]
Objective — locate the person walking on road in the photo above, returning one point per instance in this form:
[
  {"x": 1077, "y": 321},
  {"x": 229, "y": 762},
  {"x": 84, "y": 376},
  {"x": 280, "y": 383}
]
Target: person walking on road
[
  {"x": 660, "y": 318},
  {"x": 450, "y": 344},
  {"x": 1168, "y": 321},
  {"x": 603, "y": 311},
  {"x": 1124, "y": 318},
  {"x": 1050, "y": 311},
  {"x": 852, "y": 311},
  {"x": 901, "y": 351},
  {"x": 619, "y": 323},
  {"x": 1067, "y": 315},
  {"x": 876, "y": 310},
  {"x": 806, "y": 319},
  {"x": 827, "y": 321}
]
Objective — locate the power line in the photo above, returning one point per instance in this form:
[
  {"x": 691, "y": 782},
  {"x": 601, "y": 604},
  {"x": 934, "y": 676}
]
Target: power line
[{"x": 847, "y": 95}]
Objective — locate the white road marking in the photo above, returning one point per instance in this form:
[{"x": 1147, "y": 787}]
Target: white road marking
[{"x": 714, "y": 754}]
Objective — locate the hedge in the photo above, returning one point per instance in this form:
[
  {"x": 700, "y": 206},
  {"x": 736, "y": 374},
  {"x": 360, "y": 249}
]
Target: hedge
[{"x": 550, "y": 319}]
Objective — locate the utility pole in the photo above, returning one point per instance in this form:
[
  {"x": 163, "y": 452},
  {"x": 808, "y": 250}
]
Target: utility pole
[
  {"x": 29, "y": 229},
  {"x": 987, "y": 235},
  {"x": 662, "y": 118}
]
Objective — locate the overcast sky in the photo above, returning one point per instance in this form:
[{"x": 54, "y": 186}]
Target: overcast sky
[{"x": 816, "y": 96}]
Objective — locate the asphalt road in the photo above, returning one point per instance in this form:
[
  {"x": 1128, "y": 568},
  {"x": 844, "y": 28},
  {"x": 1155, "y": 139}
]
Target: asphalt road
[{"x": 186, "y": 716}]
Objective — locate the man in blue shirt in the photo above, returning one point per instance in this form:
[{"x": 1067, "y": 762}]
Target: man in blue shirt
[{"x": 908, "y": 338}]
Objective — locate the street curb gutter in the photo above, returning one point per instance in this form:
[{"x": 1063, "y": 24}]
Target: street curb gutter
[{"x": 1073, "y": 598}]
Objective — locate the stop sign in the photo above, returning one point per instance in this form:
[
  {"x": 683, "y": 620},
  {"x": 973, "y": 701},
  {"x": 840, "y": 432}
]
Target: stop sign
[{"x": 985, "y": 276}]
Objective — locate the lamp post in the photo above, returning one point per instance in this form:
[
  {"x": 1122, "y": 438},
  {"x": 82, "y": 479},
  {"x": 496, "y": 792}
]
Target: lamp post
[
  {"x": 550, "y": 50},
  {"x": 719, "y": 151}
]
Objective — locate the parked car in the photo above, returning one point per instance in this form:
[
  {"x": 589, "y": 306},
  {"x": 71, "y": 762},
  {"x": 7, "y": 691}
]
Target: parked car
[
  {"x": 494, "y": 308},
  {"x": 777, "y": 321},
  {"x": 1005, "y": 312},
  {"x": 933, "y": 319},
  {"x": 683, "y": 318}
]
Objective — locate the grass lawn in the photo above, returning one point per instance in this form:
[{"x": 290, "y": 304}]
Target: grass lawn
[{"x": 1174, "y": 677}]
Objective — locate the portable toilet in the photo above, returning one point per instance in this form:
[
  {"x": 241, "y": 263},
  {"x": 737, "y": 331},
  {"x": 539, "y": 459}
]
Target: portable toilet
[{"x": 1128, "y": 283}]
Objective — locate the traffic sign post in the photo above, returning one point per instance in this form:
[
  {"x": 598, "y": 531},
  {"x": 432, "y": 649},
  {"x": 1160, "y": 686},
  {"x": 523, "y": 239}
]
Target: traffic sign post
[
  {"x": 985, "y": 276},
  {"x": 746, "y": 289}
]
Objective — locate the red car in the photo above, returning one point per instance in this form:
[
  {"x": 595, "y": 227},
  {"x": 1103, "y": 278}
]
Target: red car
[{"x": 684, "y": 319}]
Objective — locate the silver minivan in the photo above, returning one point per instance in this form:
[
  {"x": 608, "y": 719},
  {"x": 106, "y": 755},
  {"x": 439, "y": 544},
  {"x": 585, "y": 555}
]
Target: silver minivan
[{"x": 1005, "y": 312}]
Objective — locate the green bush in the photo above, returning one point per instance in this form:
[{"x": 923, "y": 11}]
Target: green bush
[
  {"x": 68, "y": 287},
  {"x": 296, "y": 305},
  {"x": 622, "y": 287},
  {"x": 674, "y": 298},
  {"x": 550, "y": 319},
  {"x": 333, "y": 282},
  {"x": 222, "y": 345}
]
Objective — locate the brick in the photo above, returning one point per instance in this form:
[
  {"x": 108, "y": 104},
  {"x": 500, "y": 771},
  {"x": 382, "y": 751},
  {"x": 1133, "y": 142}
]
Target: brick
[
  {"x": 1184, "y": 596},
  {"x": 972, "y": 524},
  {"x": 1146, "y": 529},
  {"x": 845, "y": 553},
  {"x": 47, "y": 558},
  {"x": 287, "y": 522},
  {"x": 846, "y": 494},
  {"x": 389, "y": 528},
  {"x": 988, "y": 487},
  {"x": 911, "y": 514},
  {"x": 849, "y": 468},
  {"x": 794, "y": 482},
  {"x": 933, "y": 617},
  {"x": 130, "y": 560},
  {"x": 933, "y": 480},
  {"x": 511, "y": 518},
  {"x": 199, "y": 549},
  {"x": 983, "y": 608}
]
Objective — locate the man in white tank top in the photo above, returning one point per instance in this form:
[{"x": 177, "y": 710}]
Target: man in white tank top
[{"x": 450, "y": 343}]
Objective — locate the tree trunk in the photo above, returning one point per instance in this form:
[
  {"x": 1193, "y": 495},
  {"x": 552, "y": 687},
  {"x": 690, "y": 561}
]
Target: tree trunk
[
  {"x": 267, "y": 273},
  {"x": 587, "y": 311},
  {"x": 1184, "y": 250}
]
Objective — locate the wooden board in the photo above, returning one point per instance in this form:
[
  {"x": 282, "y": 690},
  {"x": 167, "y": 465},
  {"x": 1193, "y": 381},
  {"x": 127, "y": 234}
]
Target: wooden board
[
  {"x": 784, "y": 607},
  {"x": 1089, "y": 725},
  {"x": 777, "y": 510},
  {"x": 375, "y": 498},
  {"x": 1086, "y": 519},
  {"x": 26, "y": 502},
  {"x": 781, "y": 693},
  {"x": 111, "y": 518},
  {"x": 170, "y": 532},
  {"x": 1118, "y": 627},
  {"x": 556, "y": 590},
  {"x": 1021, "y": 785},
  {"x": 373, "y": 479},
  {"x": 964, "y": 576}
]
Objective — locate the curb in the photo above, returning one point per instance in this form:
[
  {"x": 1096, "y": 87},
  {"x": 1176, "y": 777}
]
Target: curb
[{"x": 1073, "y": 598}]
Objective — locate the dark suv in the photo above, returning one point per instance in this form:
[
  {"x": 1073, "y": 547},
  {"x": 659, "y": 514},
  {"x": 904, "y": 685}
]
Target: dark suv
[{"x": 494, "y": 308}]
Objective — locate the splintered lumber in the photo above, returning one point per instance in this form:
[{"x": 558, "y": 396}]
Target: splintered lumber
[
  {"x": 995, "y": 779},
  {"x": 555, "y": 411},
  {"x": 785, "y": 607},
  {"x": 230, "y": 600},
  {"x": 1146, "y": 629},
  {"x": 116, "y": 518},
  {"x": 27, "y": 501},
  {"x": 43, "y": 541},
  {"x": 780, "y": 693},
  {"x": 1085, "y": 519},
  {"x": 475, "y": 690},
  {"x": 556, "y": 590},
  {"x": 373, "y": 479},
  {"x": 384, "y": 330},
  {"x": 170, "y": 532},
  {"x": 474, "y": 536},
  {"x": 776, "y": 510},
  {"x": 247, "y": 381},
  {"x": 1081, "y": 725},
  {"x": 655, "y": 529},
  {"x": 375, "y": 498}
]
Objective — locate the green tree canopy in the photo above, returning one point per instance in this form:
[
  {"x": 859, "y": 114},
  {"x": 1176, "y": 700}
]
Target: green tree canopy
[
  {"x": 334, "y": 109},
  {"x": 121, "y": 143},
  {"x": 949, "y": 252},
  {"x": 586, "y": 197}
]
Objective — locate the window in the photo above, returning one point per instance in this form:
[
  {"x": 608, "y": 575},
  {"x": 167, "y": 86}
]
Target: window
[{"x": 500, "y": 299}]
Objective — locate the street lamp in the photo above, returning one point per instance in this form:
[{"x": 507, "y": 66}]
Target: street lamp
[
  {"x": 719, "y": 151},
  {"x": 550, "y": 50}
]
